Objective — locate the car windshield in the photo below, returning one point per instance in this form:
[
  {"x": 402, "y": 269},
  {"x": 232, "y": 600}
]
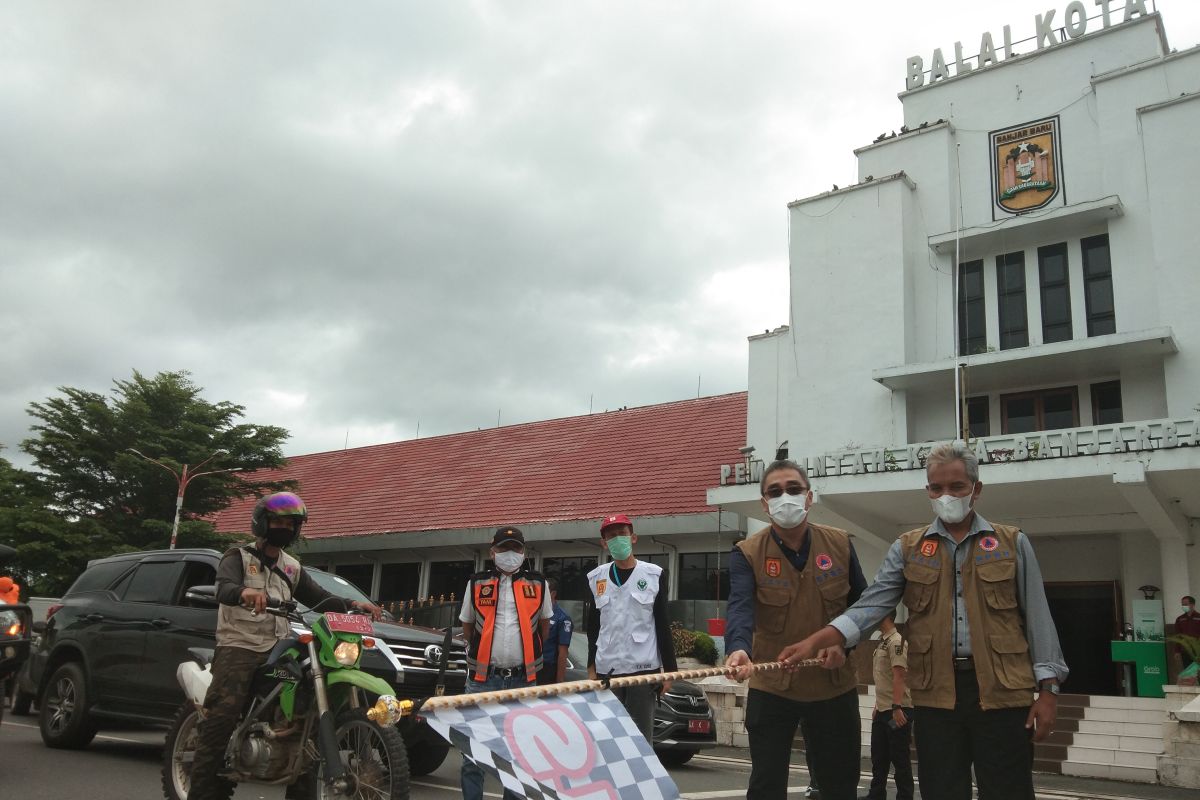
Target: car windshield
[{"x": 337, "y": 585}]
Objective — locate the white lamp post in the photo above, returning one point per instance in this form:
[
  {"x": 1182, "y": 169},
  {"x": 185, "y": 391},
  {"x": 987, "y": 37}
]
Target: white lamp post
[{"x": 183, "y": 479}]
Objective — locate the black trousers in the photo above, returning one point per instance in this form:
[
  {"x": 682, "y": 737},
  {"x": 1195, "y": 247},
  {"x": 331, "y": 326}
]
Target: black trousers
[
  {"x": 996, "y": 742},
  {"x": 771, "y": 723},
  {"x": 890, "y": 749}
]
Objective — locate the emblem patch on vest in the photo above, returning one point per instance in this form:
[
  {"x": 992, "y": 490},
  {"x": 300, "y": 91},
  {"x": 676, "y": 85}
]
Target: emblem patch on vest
[
  {"x": 929, "y": 547},
  {"x": 774, "y": 567},
  {"x": 485, "y": 590},
  {"x": 989, "y": 543},
  {"x": 824, "y": 562},
  {"x": 289, "y": 570},
  {"x": 487, "y": 601},
  {"x": 642, "y": 584},
  {"x": 601, "y": 585},
  {"x": 529, "y": 590},
  {"x": 252, "y": 569}
]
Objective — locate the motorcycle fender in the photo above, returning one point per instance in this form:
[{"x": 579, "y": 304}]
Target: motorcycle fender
[
  {"x": 195, "y": 681},
  {"x": 360, "y": 679}
]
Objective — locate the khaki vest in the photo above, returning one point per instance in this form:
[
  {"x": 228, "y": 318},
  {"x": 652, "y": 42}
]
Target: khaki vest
[
  {"x": 237, "y": 627},
  {"x": 791, "y": 605},
  {"x": 1003, "y": 665}
]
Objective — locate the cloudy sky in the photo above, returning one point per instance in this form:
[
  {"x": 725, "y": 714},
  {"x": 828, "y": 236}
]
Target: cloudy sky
[{"x": 435, "y": 214}]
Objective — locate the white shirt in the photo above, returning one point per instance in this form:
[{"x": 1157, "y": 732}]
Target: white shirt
[{"x": 506, "y": 640}]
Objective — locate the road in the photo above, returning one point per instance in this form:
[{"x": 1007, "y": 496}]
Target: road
[{"x": 124, "y": 765}]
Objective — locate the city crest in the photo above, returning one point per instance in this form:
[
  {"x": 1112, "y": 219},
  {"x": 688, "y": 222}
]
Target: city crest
[{"x": 1026, "y": 172}]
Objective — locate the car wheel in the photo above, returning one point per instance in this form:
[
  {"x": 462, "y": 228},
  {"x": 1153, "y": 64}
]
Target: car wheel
[
  {"x": 63, "y": 719},
  {"x": 425, "y": 757},
  {"x": 675, "y": 758},
  {"x": 22, "y": 702}
]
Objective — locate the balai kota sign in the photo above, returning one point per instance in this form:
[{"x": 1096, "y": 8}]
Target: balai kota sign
[{"x": 1074, "y": 21}]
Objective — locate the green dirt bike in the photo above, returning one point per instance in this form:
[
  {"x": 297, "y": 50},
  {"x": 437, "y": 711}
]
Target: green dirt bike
[{"x": 307, "y": 724}]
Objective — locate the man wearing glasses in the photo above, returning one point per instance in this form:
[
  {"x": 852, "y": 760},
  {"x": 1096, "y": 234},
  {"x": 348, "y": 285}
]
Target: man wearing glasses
[
  {"x": 786, "y": 581},
  {"x": 505, "y": 615}
]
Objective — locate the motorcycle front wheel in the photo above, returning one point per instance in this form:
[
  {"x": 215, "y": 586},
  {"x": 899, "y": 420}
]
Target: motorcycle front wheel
[{"x": 375, "y": 759}]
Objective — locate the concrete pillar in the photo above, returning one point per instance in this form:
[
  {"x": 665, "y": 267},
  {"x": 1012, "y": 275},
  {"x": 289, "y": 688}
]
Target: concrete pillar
[{"x": 1175, "y": 575}]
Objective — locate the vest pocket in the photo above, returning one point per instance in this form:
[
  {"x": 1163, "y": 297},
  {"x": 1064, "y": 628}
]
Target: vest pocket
[
  {"x": 771, "y": 615},
  {"x": 920, "y": 661},
  {"x": 833, "y": 596},
  {"x": 999, "y": 586},
  {"x": 1011, "y": 660},
  {"x": 919, "y": 589}
]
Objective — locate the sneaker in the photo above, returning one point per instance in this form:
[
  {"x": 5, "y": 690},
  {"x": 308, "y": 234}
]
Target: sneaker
[{"x": 812, "y": 791}]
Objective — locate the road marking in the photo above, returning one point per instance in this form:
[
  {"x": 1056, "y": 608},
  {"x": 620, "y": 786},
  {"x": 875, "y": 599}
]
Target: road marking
[{"x": 98, "y": 736}]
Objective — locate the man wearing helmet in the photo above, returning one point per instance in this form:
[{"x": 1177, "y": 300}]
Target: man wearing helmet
[{"x": 247, "y": 578}]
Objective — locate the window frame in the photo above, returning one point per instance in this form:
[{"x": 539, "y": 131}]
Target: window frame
[
  {"x": 1014, "y": 336},
  {"x": 1088, "y": 245},
  {"x": 1039, "y": 409},
  {"x": 967, "y": 345},
  {"x": 1120, "y": 397},
  {"x": 985, "y": 401},
  {"x": 1044, "y": 253}
]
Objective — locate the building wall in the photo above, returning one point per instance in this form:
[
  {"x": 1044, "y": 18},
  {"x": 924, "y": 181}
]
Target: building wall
[{"x": 771, "y": 367}]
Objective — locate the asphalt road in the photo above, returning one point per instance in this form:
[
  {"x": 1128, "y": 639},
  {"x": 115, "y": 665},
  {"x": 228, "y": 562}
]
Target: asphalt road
[{"x": 125, "y": 765}]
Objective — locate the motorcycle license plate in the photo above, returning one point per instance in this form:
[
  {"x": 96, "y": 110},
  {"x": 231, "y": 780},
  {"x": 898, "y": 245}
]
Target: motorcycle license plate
[
  {"x": 349, "y": 623},
  {"x": 699, "y": 726}
]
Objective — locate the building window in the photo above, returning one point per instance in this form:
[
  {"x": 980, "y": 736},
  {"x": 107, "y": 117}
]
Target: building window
[
  {"x": 1047, "y": 410},
  {"x": 1097, "y": 283},
  {"x": 972, "y": 325},
  {"x": 399, "y": 582},
  {"x": 571, "y": 574},
  {"x": 448, "y": 578},
  {"x": 1056, "y": 293},
  {"x": 1010, "y": 283},
  {"x": 1106, "y": 403},
  {"x": 978, "y": 424},
  {"x": 703, "y": 576}
]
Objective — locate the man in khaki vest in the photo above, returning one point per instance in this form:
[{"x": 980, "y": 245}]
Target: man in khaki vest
[
  {"x": 980, "y": 636},
  {"x": 786, "y": 582},
  {"x": 247, "y": 578}
]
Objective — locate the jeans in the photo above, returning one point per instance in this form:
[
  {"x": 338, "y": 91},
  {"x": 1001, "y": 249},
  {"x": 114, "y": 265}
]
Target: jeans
[
  {"x": 950, "y": 741},
  {"x": 471, "y": 775},
  {"x": 771, "y": 722}
]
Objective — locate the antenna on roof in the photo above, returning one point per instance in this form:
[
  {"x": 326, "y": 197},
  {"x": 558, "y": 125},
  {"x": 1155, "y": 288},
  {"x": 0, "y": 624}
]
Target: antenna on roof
[
  {"x": 346, "y": 444},
  {"x": 418, "y": 429},
  {"x": 697, "y": 387},
  {"x": 497, "y": 418},
  {"x": 591, "y": 397}
]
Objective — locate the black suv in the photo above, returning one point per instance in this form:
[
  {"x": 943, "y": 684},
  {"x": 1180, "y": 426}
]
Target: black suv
[{"x": 111, "y": 649}]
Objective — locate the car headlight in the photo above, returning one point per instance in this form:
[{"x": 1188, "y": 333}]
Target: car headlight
[{"x": 346, "y": 653}]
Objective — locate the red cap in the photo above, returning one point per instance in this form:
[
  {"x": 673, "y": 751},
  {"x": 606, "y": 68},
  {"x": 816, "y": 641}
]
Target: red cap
[{"x": 615, "y": 519}]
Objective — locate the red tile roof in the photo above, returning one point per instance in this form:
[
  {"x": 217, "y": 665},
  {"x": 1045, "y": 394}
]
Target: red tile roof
[{"x": 650, "y": 461}]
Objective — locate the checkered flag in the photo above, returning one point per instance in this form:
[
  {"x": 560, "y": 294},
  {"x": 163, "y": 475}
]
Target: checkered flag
[{"x": 579, "y": 746}]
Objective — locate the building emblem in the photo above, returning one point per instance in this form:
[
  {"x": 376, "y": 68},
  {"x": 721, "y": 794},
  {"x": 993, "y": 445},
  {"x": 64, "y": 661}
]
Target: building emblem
[{"x": 1026, "y": 169}]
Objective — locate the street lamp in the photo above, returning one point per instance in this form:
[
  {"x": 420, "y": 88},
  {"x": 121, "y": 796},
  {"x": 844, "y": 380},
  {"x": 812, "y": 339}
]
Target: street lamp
[{"x": 183, "y": 479}]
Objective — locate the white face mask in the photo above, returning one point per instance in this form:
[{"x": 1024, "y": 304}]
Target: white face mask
[
  {"x": 951, "y": 509},
  {"x": 788, "y": 509},
  {"x": 509, "y": 560}
]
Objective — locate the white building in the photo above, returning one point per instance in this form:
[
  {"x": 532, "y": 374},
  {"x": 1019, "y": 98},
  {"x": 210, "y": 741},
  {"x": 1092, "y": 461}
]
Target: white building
[{"x": 1078, "y": 353}]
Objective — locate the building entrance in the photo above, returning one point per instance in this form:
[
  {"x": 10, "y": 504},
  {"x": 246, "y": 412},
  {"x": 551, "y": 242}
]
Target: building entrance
[{"x": 1088, "y": 616}]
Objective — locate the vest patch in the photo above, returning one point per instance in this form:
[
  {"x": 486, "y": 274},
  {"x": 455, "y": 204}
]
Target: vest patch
[
  {"x": 601, "y": 585},
  {"x": 289, "y": 570},
  {"x": 487, "y": 601},
  {"x": 485, "y": 590},
  {"x": 929, "y": 547},
  {"x": 774, "y": 567},
  {"x": 642, "y": 584},
  {"x": 984, "y": 558},
  {"x": 823, "y": 562},
  {"x": 988, "y": 543},
  {"x": 252, "y": 569},
  {"x": 529, "y": 590},
  {"x": 917, "y": 558}
]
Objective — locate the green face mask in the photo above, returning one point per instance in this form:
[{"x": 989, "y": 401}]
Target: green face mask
[{"x": 620, "y": 547}]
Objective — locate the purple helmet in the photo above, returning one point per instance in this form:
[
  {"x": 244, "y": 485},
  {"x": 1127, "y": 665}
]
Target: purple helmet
[{"x": 280, "y": 504}]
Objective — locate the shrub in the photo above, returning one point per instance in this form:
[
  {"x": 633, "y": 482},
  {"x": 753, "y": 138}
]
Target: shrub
[
  {"x": 682, "y": 640},
  {"x": 705, "y": 649}
]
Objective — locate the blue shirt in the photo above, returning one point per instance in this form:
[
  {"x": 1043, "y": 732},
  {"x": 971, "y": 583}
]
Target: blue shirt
[
  {"x": 559, "y": 635},
  {"x": 888, "y": 589},
  {"x": 739, "y": 617}
]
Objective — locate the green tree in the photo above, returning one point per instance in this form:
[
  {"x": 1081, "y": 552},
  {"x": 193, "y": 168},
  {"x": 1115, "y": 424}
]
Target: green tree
[{"x": 88, "y": 474}]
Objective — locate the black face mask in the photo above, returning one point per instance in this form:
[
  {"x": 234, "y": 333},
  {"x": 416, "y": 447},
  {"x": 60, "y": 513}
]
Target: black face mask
[{"x": 279, "y": 537}]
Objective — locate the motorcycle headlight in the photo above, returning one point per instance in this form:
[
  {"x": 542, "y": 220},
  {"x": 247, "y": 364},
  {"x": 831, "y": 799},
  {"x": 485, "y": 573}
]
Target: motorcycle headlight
[{"x": 346, "y": 653}]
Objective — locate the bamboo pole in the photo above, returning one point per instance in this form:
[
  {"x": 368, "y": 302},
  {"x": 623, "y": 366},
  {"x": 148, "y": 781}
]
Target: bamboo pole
[{"x": 406, "y": 707}]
